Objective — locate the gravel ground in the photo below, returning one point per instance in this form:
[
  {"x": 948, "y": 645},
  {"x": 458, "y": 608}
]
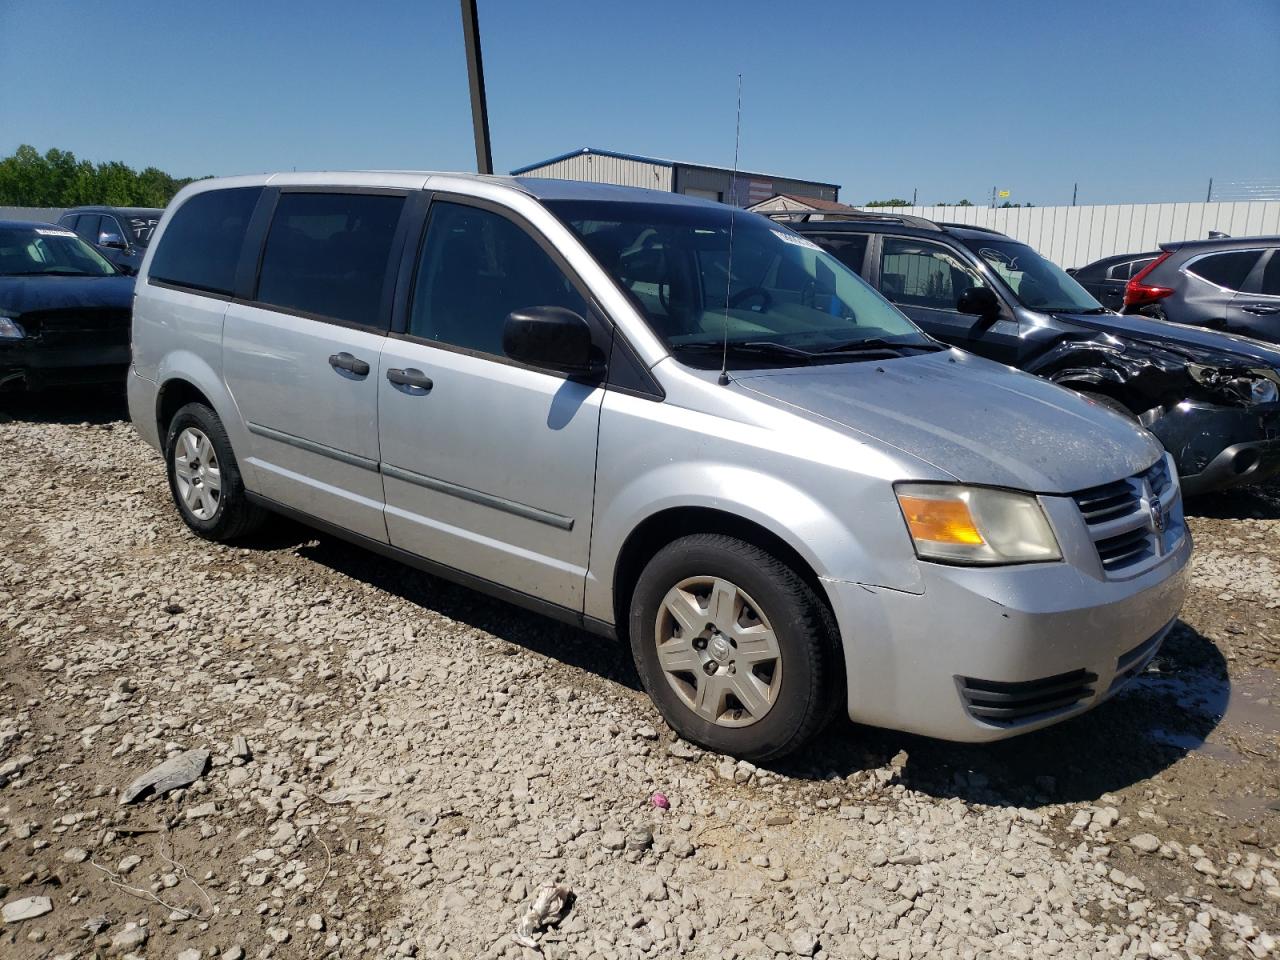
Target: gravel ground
[{"x": 397, "y": 766}]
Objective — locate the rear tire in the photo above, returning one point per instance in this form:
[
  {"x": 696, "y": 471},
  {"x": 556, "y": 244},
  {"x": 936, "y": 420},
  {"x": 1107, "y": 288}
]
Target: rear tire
[
  {"x": 204, "y": 477},
  {"x": 734, "y": 647}
]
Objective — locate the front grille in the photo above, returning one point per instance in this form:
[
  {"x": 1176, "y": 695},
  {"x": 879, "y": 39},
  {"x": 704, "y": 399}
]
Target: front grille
[
  {"x": 79, "y": 327},
  {"x": 1121, "y": 517},
  {"x": 1010, "y": 704}
]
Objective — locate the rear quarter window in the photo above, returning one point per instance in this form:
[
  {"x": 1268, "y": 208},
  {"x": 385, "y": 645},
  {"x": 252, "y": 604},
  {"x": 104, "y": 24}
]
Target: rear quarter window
[
  {"x": 1227, "y": 269},
  {"x": 200, "y": 249}
]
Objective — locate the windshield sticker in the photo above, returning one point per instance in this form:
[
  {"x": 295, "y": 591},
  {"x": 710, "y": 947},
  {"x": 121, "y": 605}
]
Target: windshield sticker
[
  {"x": 51, "y": 232},
  {"x": 795, "y": 240},
  {"x": 994, "y": 256}
]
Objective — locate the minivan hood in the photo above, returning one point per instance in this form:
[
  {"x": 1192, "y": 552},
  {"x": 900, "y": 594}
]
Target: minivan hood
[
  {"x": 979, "y": 421},
  {"x": 1216, "y": 345},
  {"x": 19, "y": 295}
]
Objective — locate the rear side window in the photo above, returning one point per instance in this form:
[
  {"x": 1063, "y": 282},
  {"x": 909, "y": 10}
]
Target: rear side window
[
  {"x": 476, "y": 268},
  {"x": 201, "y": 246},
  {"x": 1271, "y": 276},
  {"x": 1226, "y": 269},
  {"x": 327, "y": 255},
  {"x": 849, "y": 248}
]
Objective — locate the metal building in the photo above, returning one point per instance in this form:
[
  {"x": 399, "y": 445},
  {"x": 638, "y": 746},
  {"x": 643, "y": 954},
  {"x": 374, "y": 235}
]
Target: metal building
[{"x": 674, "y": 176}]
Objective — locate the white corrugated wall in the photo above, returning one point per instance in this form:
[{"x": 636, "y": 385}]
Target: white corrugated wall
[
  {"x": 1074, "y": 236},
  {"x": 598, "y": 168},
  {"x": 38, "y": 214}
]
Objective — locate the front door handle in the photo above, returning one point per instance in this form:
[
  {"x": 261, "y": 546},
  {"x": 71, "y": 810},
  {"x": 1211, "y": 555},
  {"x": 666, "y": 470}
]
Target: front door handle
[
  {"x": 1261, "y": 309},
  {"x": 410, "y": 377},
  {"x": 345, "y": 361}
]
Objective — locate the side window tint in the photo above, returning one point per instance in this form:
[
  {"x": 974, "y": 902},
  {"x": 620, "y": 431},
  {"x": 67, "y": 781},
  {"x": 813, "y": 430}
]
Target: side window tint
[
  {"x": 327, "y": 254},
  {"x": 1119, "y": 271},
  {"x": 87, "y": 227},
  {"x": 109, "y": 225},
  {"x": 201, "y": 245},
  {"x": 922, "y": 274},
  {"x": 68, "y": 220},
  {"x": 849, "y": 249},
  {"x": 1226, "y": 269},
  {"x": 1271, "y": 276},
  {"x": 477, "y": 267}
]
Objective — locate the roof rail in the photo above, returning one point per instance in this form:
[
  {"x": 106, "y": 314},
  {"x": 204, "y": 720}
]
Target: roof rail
[
  {"x": 804, "y": 216},
  {"x": 972, "y": 226}
]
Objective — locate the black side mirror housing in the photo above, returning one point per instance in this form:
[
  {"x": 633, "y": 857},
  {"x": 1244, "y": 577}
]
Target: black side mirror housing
[
  {"x": 979, "y": 301},
  {"x": 553, "y": 338}
]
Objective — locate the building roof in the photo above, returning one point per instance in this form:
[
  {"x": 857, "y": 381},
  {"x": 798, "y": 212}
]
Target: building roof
[
  {"x": 658, "y": 161},
  {"x": 814, "y": 203}
]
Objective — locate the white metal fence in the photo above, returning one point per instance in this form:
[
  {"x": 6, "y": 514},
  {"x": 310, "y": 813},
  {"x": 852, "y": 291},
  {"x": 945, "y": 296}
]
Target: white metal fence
[
  {"x": 1074, "y": 236},
  {"x": 38, "y": 214}
]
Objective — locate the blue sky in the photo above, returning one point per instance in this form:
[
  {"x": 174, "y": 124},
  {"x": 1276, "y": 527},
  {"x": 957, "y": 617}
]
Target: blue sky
[{"x": 1140, "y": 101}]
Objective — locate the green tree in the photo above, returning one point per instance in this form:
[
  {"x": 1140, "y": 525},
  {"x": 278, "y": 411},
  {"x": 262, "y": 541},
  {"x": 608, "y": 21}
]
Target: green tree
[
  {"x": 895, "y": 202},
  {"x": 57, "y": 179}
]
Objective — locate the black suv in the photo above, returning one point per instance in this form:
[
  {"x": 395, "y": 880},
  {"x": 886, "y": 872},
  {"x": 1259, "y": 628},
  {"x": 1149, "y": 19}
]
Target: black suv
[
  {"x": 1229, "y": 284},
  {"x": 1212, "y": 399},
  {"x": 121, "y": 234}
]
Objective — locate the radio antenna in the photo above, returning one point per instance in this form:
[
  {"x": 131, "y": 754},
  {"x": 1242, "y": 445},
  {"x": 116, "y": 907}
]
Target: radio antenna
[{"x": 733, "y": 208}]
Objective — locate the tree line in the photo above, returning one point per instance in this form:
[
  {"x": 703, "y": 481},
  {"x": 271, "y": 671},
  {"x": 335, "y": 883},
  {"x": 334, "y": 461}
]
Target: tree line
[{"x": 57, "y": 179}]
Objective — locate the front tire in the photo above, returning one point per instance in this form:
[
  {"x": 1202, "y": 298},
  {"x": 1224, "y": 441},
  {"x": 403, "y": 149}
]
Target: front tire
[
  {"x": 204, "y": 477},
  {"x": 734, "y": 648}
]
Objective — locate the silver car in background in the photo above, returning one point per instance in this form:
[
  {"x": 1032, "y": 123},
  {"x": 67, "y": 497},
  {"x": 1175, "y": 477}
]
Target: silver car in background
[{"x": 664, "y": 420}]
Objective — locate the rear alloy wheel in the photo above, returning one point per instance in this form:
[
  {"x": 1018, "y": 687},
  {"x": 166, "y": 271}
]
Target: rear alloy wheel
[
  {"x": 196, "y": 473},
  {"x": 734, "y": 647},
  {"x": 204, "y": 477}
]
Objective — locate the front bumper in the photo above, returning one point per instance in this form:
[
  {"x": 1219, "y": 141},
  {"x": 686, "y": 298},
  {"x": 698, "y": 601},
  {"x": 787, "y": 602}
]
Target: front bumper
[
  {"x": 1218, "y": 447},
  {"x": 988, "y": 653},
  {"x": 30, "y": 364}
]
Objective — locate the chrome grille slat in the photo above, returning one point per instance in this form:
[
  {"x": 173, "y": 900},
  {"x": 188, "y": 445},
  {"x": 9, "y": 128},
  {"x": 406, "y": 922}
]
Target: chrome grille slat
[{"x": 1119, "y": 518}]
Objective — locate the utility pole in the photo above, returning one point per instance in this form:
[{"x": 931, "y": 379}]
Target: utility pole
[
  {"x": 914, "y": 191},
  {"x": 993, "y": 198},
  {"x": 1075, "y": 189},
  {"x": 1208, "y": 197},
  {"x": 475, "y": 74}
]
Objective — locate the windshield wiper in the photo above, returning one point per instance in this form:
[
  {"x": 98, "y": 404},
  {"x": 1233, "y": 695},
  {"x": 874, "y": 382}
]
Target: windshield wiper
[
  {"x": 762, "y": 348},
  {"x": 878, "y": 345}
]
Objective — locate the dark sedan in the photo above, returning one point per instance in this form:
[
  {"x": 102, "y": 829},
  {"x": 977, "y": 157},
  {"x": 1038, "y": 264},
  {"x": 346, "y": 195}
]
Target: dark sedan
[{"x": 64, "y": 310}]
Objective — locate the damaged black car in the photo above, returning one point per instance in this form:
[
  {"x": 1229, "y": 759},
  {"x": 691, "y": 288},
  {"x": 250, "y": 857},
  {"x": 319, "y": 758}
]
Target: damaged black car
[
  {"x": 1212, "y": 398},
  {"x": 64, "y": 310}
]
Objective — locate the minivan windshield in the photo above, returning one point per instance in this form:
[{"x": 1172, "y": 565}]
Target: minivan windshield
[
  {"x": 782, "y": 301},
  {"x": 1037, "y": 283},
  {"x": 49, "y": 251}
]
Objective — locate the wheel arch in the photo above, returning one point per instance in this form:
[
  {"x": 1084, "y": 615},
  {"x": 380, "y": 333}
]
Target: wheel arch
[{"x": 670, "y": 524}]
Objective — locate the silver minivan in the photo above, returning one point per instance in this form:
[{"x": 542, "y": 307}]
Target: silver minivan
[{"x": 664, "y": 420}]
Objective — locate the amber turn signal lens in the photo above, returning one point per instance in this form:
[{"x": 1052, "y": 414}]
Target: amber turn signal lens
[{"x": 940, "y": 521}]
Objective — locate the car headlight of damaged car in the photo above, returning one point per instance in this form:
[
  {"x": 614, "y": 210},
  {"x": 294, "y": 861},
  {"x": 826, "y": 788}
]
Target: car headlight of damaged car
[
  {"x": 1248, "y": 387},
  {"x": 953, "y": 523},
  {"x": 10, "y": 329}
]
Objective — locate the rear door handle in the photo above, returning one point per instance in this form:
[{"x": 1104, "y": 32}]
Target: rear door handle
[
  {"x": 345, "y": 361},
  {"x": 410, "y": 377},
  {"x": 1260, "y": 309}
]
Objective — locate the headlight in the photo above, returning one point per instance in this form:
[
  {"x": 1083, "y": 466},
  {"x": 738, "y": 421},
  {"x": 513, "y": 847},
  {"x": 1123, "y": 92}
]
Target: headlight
[
  {"x": 1259, "y": 389},
  {"x": 958, "y": 524},
  {"x": 10, "y": 329}
]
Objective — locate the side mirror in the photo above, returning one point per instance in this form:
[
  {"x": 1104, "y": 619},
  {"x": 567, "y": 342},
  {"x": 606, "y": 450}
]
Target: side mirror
[
  {"x": 126, "y": 269},
  {"x": 111, "y": 240},
  {"x": 1071, "y": 271},
  {"x": 553, "y": 338},
  {"x": 979, "y": 301}
]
